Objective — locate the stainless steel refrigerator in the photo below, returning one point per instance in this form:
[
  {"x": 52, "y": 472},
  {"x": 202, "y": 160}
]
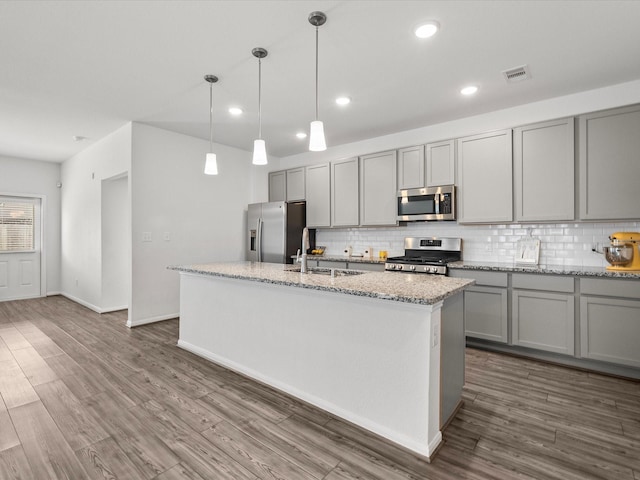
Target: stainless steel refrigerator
[{"x": 274, "y": 231}]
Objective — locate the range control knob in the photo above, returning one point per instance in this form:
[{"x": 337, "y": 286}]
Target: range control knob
[
  {"x": 392, "y": 266},
  {"x": 399, "y": 267},
  {"x": 412, "y": 268}
]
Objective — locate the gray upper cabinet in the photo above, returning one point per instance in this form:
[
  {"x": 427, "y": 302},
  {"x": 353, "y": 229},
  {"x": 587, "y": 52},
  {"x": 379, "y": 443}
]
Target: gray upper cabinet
[
  {"x": 485, "y": 191},
  {"x": 411, "y": 168},
  {"x": 543, "y": 161},
  {"x": 344, "y": 193},
  {"x": 295, "y": 184},
  {"x": 378, "y": 197},
  {"x": 318, "y": 195},
  {"x": 278, "y": 186},
  {"x": 609, "y": 153},
  {"x": 441, "y": 163}
]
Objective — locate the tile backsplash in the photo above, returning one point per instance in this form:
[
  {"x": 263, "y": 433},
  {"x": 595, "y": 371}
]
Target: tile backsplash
[{"x": 561, "y": 244}]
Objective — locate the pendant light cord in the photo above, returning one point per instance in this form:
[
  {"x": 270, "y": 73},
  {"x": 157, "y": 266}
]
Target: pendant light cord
[
  {"x": 210, "y": 117},
  {"x": 316, "y": 72},
  {"x": 259, "y": 98}
]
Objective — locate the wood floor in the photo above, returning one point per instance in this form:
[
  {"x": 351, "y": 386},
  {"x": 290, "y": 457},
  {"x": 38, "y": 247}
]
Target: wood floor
[{"x": 83, "y": 397}]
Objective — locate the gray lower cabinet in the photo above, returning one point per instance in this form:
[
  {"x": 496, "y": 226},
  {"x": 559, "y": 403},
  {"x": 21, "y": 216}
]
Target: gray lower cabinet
[
  {"x": 544, "y": 321},
  {"x": 486, "y": 313},
  {"x": 610, "y": 326},
  {"x": 542, "y": 312}
]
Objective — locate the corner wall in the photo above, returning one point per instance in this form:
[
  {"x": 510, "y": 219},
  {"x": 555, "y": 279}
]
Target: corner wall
[
  {"x": 181, "y": 216},
  {"x": 32, "y": 177},
  {"x": 81, "y": 225}
]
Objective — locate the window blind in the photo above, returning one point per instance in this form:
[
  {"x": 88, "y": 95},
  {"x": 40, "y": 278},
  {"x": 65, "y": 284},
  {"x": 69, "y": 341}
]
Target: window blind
[{"x": 16, "y": 226}]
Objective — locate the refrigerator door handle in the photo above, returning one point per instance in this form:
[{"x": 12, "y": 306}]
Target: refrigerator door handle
[{"x": 259, "y": 233}]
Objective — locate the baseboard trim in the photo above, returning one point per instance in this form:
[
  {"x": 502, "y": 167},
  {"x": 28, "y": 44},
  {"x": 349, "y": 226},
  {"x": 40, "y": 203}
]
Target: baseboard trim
[
  {"x": 145, "y": 321},
  {"x": 90, "y": 306},
  {"x": 114, "y": 309}
]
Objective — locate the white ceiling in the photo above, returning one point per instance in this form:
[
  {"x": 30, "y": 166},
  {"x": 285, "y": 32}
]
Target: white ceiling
[{"x": 87, "y": 67}]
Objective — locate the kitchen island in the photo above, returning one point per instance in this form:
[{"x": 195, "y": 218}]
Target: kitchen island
[{"x": 384, "y": 351}]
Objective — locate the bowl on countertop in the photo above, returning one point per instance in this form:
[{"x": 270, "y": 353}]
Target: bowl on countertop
[
  {"x": 619, "y": 255},
  {"x": 318, "y": 250}
]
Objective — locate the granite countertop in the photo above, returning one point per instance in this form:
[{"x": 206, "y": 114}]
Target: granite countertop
[
  {"x": 396, "y": 286},
  {"x": 548, "y": 269}
]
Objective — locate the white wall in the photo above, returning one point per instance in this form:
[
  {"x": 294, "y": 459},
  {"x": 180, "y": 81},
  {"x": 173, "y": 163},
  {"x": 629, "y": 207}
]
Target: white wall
[
  {"x": 562, "y": 244},
  {"x": 81, "y": 230},
  {"x": 31, "y": 177},
  {"x": 576, "y": 104},
  {"x": 188, "y": 216}
]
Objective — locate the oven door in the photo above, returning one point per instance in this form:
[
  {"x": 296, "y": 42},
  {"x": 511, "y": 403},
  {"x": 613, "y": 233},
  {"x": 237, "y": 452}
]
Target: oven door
[{"x": 427, "y": 204}]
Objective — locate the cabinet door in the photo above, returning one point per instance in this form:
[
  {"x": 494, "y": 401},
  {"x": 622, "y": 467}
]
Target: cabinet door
[
  {"x": 295, "y": 184},
  {"x": 485, "y": 178},
  {"x": 610, "y": 330},
  {"x": 378, "y": 193},
  {"x": 485, "y": 313},
  {"x": 278, "y": 186},
  {"x": 441, "y": 163},
  {"x": 609, "y": 152},
  {"x": 411, "y": 168},
  {"x": 544, "y": 321},
  {"x": 544, "y": 171},
  {"x": 344, "y": 193},
  {"x": 318, "y": 195}
]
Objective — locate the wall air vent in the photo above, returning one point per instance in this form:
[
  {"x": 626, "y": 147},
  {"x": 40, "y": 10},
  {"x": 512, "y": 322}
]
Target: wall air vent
[{"x": 517, "y": 74}]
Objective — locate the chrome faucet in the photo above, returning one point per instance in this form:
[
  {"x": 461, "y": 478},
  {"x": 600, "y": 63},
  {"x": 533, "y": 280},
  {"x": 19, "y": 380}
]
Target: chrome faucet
[{"x": 305, "y": 246}]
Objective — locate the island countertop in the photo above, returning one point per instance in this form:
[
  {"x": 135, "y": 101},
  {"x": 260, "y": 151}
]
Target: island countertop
[{"x": 396, "y": 286}]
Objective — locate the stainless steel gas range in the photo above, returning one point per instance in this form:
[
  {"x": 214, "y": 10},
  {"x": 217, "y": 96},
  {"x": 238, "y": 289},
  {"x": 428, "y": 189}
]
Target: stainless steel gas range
[{"x": 426, "y": 255}]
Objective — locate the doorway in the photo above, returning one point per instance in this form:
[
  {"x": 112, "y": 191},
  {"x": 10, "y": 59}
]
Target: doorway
[
  {"x": 115, "y": 244},
  {"x": 20, "y": 247}
]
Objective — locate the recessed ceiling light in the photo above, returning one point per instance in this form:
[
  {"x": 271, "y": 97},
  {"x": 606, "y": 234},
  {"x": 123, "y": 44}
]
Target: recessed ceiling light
[
  {"x": 427, "y": 29},
  {"x": 343, "y": 100},
  {"x": 301, "y": 135},
  {"x": 470, "y": 90},
  {"x": 235, "y": 111}
]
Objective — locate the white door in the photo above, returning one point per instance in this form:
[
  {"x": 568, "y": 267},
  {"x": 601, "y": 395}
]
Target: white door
[{"x": 20, "y": 247}]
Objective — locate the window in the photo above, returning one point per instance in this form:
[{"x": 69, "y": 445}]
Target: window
[{"x": 16, "y": 225}]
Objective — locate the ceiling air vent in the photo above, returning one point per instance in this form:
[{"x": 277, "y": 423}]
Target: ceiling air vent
[{"x": 517, "y": 74}]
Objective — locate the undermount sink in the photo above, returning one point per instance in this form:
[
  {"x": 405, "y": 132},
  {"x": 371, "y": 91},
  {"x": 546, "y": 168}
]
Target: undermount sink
[{"x": 332, "y": 272}]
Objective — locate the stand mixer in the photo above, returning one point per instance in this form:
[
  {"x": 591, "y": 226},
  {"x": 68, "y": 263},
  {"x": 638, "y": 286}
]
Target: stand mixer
[{"x": 623, "y": 254}]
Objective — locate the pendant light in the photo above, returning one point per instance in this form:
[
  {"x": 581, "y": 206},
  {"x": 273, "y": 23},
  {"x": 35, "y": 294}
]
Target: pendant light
[
  {"x": 317, "y": 142},
  {"x": 211, "y": 164},
  {"x": 259, "y": 149}
]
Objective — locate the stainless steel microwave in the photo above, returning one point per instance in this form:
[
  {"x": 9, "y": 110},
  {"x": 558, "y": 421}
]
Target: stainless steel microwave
[{"x": 427, "y": 204}]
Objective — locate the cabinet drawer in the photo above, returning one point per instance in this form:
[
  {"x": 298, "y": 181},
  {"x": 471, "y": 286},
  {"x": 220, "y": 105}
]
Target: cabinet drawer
[
  {"x": 551, "y": 283},
  {"x": 492, "y": 279},
  {"x": 610, "y": 287},
  {"x": 368, "y": 267}
]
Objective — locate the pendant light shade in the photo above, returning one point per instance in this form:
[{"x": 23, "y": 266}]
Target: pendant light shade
[
  {"x": 317, "y": 142},
  {"x": 259, "y": 152},
  {"x": 259, "y": 147},
  {"x": 316, "y": 137},
  {"x": 211, "y": 163}
]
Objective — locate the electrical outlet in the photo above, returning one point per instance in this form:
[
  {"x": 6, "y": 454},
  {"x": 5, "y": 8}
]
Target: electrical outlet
[
  {"x": 166, "y": 236},
  {"x": 146, "y": 237}
]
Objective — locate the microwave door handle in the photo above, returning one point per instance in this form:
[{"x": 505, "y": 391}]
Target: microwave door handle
[
  {"x": 259, "y": 240},
  {"x": 436, "y": 199}
]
